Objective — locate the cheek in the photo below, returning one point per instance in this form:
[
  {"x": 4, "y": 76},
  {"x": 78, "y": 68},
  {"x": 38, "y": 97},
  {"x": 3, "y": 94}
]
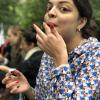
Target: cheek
[
  {"x": 12, "y": 39},
  {"x": 68, "y": 21},
  {"x": 16, "y": 39},
  {"x": 67, "y": 27},
  {"x": 67, "y": 24}
]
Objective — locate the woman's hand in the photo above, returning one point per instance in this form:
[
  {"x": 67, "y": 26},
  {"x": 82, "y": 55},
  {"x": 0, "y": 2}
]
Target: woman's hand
[
  {"x": 15, "y": 81},
  {"x": 52, "y": 43}
]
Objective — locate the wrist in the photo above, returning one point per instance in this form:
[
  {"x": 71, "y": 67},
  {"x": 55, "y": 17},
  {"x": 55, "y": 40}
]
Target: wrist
[
  {"x": 61, "y": 59},
  {"x": 30, "y": 93},
  {"x": 28, "y": 90}
]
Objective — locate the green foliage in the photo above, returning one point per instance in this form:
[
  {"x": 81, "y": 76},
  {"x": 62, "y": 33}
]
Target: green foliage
[
  {"x": 26, "y": 12},
  {"x": 22, "y": 12},
  {"x": 7, "y": 11},
  {"x": 31, "y": 11},
  {"x": 96, "y": 9}
]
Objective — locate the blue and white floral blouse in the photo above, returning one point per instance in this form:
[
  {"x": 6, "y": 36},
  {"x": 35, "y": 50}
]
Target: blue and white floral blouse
[{"x": 78, "y": 80}]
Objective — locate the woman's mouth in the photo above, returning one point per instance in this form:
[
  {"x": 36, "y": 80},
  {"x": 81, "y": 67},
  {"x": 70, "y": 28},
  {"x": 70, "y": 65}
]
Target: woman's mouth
[{"x": 51, "y": 24}]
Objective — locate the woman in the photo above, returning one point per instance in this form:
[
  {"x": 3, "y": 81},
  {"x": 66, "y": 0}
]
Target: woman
[
  {"x": 70, "y": 67},
  {"x": 11, "y": 48},
  {"x": 32, "y": 57},
  {"x": 14, "y": 37},
  {"x": 12, "y": 56}
]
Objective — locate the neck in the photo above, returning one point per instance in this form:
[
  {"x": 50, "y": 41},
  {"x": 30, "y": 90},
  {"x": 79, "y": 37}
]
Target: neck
[{"x": 74, "y": 42}]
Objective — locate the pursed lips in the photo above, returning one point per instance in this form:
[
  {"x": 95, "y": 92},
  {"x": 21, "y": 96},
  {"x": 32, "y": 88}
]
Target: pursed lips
[{"x": 51, "y": 24}]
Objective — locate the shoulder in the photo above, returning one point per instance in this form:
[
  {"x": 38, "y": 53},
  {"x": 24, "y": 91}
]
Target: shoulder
[
  {"x": 92, "y": 52},
  {"x": 93, "y": 43},
  {"x": 92, "y": 46},
  {"x": 89, "y": 53}
]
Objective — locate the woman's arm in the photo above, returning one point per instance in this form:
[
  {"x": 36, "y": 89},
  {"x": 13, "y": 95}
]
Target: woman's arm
[
  {"x": 16, "y": 82},
  {"x": 30, "y": 93},
  {"x": 84, "y": 84}
]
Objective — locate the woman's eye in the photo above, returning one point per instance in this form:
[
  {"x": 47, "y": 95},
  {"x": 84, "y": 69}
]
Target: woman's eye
[
  {"x": 48, "y": 7},
  {"x": 64, "y": 9}
]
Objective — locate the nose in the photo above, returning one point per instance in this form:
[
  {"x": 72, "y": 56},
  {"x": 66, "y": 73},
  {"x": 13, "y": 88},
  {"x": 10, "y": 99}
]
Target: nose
[{"x": 52, "y": 13}]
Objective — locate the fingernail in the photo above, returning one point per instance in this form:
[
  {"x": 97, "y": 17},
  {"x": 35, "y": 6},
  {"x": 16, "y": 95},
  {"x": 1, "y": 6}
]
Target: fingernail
[
  {"x": 17, "y": 81},
  {"x": 34, "y": 25},
  {"x": 15, "y": 73},
  {"x": 12, "y": 72}
]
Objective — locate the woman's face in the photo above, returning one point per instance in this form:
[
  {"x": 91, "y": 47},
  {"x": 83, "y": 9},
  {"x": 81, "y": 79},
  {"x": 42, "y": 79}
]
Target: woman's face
[
  {"x": 12, "y": 38},
  {"x": 64, "y": 15}
]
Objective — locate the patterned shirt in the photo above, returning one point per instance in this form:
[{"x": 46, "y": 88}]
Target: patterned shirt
[{"x": 77, "y": 80}]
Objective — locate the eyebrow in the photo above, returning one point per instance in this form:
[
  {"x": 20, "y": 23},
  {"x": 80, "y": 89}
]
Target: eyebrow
[
  {"x": 60, "y": 2},
  {"x": 64, "y": 2}
]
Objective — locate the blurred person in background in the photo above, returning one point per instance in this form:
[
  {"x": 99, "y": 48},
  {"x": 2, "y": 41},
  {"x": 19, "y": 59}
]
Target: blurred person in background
[
  {"x": 10, "y": 56},
  {"x": 11, "y": 49},
  {"x": 32, "y": 57},
  {"x": 14, "y": 37}
]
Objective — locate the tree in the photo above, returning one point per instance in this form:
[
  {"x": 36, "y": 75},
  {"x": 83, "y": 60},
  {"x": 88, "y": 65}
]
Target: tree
[
  {"x": 26, "y": 12},
  {"x": 96, "y": 9},
  {"x": 30, "y": 11},
  {"x": 7, "y": 11}
]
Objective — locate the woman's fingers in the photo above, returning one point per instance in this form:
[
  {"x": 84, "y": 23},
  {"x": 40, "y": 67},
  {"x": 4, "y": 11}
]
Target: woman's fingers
[
  {"x": 47, "y": 28},
  {"x": 50, "y": 30},
  {"x": 6, "y": 79},
  {"x": 15, "y": 73},
  {"x": 55, "y": 32},
  {"x": 39, "y": 39},
  {"x": 12, "y": 75},
  {"x": 12, "y": 84},
  {"x": 39, "y": 32},
  {"x": 14, "y": 90},
  {"x": 4, "y": 68}
]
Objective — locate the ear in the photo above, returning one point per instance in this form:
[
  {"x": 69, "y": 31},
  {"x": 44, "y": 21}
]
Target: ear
[{"x": 82, "y": 23}]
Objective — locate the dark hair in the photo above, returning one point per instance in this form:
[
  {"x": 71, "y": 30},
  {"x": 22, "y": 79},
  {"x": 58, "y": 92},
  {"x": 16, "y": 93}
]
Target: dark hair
[
  {"x": 29, "y": 36},
  {"x": 85, "y": 11},
  {"x": 16, "y": 31}
]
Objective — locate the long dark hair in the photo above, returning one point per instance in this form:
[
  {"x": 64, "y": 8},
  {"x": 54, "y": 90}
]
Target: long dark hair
[{"x": 85, "y": 10}]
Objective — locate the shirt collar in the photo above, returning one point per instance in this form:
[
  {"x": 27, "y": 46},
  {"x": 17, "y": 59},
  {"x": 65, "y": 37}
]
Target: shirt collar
[
  {"x": 32, "y": 51},
  {"x": 84, "y": 47}
]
